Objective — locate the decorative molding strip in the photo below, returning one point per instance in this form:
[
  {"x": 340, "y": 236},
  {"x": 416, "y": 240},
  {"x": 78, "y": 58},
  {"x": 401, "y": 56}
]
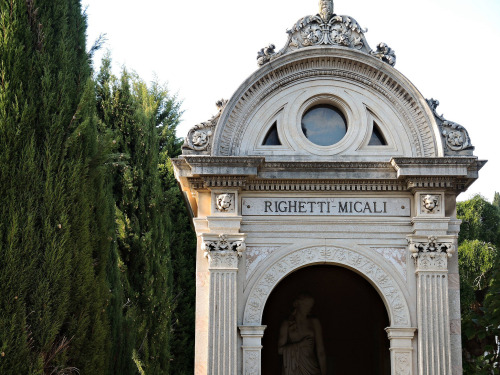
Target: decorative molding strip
[
  {"x": 326, "y": 29},
  {"x": 382, "y": 280},
  {"x": 324, "y": 185}
]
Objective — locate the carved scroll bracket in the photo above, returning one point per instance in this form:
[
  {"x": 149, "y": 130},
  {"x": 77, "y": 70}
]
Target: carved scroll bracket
[
  {"x": 223, "y": 251},
  {"x": 200, "y": 137},
  {"x": 431, "y": 254},
  {"x": 455, "y": 137}
]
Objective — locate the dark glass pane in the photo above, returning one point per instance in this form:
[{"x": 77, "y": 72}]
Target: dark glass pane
[
  {"x": 324, "y": 125},
  {"x": 272, "y": 138},
  {"x": 377, "y": 138}
]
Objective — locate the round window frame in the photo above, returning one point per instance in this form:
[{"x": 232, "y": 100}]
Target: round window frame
[
  {"x": 332, "y": 108},
  {"x": 334, "y": 101}
]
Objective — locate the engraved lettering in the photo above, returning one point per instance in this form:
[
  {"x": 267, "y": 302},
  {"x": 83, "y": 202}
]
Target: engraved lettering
[
  {"x": 311, "y": 206},
  {"x": 375, "y": 208},
  {"x": 290, "y": 205},
  {"x": 367, "y": 207},
  {"x": 358, "y": 210},
  {"x": 280, "y": 206},
  {"x": 385, "y": 207},
  {"x": 302, "y": 206},
  {"x": 342, "y": 208},
  {"x": 350, "y": 207},
  {"x": 268, "y": 206},
  {"x": 321, "y": 206}
]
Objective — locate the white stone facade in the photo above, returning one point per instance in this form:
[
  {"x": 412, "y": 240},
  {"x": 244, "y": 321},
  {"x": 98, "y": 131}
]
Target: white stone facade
[{"x": 386, "y": 212}]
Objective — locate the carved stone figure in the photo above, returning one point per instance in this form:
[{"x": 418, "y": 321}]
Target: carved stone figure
[
  {"x": 301, "y": 340},
  {"x": 385, "y": 53},
  {"x": 224, "y": 202},
  {"x": 264, "y": 55},
  {"x": 430, "y": 202}
]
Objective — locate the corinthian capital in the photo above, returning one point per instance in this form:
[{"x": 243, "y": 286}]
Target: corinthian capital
[
  {"x": 223, "y": 251},
  {"x": 431, "y": 254}
]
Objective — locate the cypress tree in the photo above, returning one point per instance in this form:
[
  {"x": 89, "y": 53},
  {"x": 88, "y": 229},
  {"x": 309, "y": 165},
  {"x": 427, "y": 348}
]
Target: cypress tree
[
  {"x": 136, "y": 115},
  {"x": 54, "y": 243}
]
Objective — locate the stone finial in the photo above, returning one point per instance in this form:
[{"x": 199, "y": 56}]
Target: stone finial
[{"x": 326, "y": 9}]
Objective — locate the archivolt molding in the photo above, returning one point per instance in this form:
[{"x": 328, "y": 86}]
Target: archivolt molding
[
  {"x": 384, "y": 282},
  {"x": 317, "y": 63}
]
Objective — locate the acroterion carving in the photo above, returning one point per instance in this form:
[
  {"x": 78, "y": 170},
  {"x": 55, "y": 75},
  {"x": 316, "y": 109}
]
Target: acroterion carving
[
  {"x": 327, "y": 28},
  {"x": 385, "y": 53},
  {"x": 326, "y": 9},
  {"x": 455, "y": 136},
  {"x": 199, "y": 138}
]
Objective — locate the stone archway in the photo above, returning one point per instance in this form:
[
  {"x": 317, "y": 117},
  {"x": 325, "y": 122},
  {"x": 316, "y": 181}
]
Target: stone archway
[
  {"x": 400, "y": 331},
  {"x": 350, "y": 312}
]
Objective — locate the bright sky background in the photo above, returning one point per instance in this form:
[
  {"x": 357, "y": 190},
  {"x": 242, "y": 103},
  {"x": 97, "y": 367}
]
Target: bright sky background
[{"x": 205, "y": 49}]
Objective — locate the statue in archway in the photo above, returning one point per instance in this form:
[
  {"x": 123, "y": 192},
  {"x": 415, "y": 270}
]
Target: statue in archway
[{"x": 301, "y": 340}]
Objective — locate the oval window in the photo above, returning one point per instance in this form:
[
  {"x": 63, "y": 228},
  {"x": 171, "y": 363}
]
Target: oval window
[{"x": 324, "y": 125}]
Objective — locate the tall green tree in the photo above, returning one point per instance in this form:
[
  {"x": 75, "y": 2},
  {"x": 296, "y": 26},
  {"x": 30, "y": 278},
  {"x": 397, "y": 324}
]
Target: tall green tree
[
  {"x": 54, "y": 232},
  {"x": 141, "y": 120},
  {"x": 479, "y": 261}
]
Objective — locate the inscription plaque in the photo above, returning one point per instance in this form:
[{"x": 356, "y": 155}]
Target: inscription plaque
[{"x": 342, "y": 206}]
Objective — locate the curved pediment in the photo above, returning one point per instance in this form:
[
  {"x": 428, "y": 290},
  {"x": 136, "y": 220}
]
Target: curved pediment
[
  {"x": 328, "y": 68},
  {"x": 365, "y": 89}
]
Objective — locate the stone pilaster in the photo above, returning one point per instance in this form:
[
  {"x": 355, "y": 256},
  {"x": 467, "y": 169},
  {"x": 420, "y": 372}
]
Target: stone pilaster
[
  {"x": 252, "y": 345},
  {"x": 431, "y": 267},
  {"x": 223, "y": 253},
  {"x": 401, "y": 350}
]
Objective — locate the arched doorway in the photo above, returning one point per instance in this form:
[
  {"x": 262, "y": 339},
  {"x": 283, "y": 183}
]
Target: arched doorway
[{"x": 352, "y": 315}]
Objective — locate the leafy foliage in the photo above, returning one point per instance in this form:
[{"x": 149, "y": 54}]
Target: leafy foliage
[
  {"x": 479, "y": 262},
  {"x": 53, "y": 239}
]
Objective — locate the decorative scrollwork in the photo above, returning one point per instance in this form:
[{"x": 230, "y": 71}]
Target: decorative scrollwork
[
  {"x": 455, "y": 136},
  {"x": 432, "y": 247},
  {"x": 326, "y": 28},
  {"x": 199, "y": 138}
]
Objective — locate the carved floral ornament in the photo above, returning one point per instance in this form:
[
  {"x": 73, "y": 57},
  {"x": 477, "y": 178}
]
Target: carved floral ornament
[
  {"x": 223, "y": 252},
  {"x": 326, "y": 28},
  {"x": 431, "y": 248},
  {"x": 291, "y": 261},
  {"x": 199, "y": 138}
]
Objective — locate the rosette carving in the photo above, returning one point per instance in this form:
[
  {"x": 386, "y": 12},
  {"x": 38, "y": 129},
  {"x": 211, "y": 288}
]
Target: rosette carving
[
  {"x": 326, "y": 28},
  {"x": 200, "y": 136}
]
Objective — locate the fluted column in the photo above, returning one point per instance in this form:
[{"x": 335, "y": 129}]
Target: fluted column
[
  {"x": 223, "y": 253},
  {"x": 431, "y": 260}
]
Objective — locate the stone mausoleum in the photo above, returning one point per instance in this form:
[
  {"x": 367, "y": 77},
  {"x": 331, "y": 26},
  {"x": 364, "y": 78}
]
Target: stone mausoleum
[{"x": 323, "y": 196}]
